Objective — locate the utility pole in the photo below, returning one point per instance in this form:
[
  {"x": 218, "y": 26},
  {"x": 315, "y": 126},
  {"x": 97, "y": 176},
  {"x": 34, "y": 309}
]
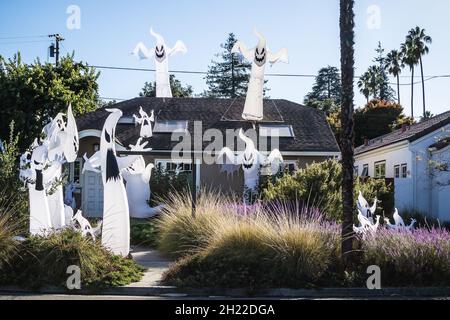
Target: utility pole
[{"x": 54, "y": 51}]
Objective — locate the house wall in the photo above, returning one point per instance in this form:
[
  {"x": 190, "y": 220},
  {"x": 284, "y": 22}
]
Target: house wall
[
  {"x": 396, "y": 154},
  {"x": 420, "y": 190}
]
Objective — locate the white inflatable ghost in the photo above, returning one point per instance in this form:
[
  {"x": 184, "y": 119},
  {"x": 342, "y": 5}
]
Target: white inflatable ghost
[
  {"x": 137, "y": 176},
  {"x": 260, "y": 55},
  {"x": 364, "y": 207},
  {"x": 146, "y": 122},
  {"x": 161, "y": 54},
  {"x": 116, "y": 214},
  {"x": 251, "y": 160}
]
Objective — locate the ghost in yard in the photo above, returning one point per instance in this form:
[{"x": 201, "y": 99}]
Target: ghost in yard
[
  {"x": 116, "y": 216},
  {"x": 161, "y": 54},
  {"x": 252, "y": 161},
  {"x": 40, "y": 169},
  {"x": 137, "y": 176},
  {"x": 146, "y": 122},
  {"x": 260, "y": 55}
]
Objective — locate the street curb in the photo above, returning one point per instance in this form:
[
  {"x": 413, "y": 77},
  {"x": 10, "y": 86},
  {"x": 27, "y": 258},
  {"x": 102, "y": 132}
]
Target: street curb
[{"x": 174, "y": 292}]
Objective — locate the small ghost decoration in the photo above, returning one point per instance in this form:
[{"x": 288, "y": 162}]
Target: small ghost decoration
[
  {"x": 137, "y": 176},
  {"x": 161, "y": 54},
  {"x": 251, "y": 161},
  {"x": 260, "y": 55},
  {"x": 399, "y": 222},
  {"x": 363, "y": 206},
  {"x": 81, "y": 224},
  {"x": 146, "y": 122},
  {"x": 366, "y": 225}
]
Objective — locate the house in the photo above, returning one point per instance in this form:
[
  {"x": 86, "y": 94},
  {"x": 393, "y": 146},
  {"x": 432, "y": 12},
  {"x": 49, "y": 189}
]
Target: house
[
  {"x": 303, "y": 136},
  {"x": 410, "y": 156}
]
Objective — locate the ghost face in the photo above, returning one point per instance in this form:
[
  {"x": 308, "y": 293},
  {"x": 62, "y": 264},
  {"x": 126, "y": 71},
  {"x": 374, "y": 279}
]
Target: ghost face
[
  {"x": 260, "y": 56},
  {"x": 38, "y": 158},
  {"x": 160, "y": 52},
  {"x": 248, "y": 161}
]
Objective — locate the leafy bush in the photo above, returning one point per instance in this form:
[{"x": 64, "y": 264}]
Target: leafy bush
[
  {"x": 143, "y": 232},
  {"x": 42, "y": 261},
  {"x": 13, "y": 194},
  {"x": 10, "y": 227},
  {"x": 419, "y": 258},
  {"x": 164, "y": 182},
  {"x": 319, "y": 184}
]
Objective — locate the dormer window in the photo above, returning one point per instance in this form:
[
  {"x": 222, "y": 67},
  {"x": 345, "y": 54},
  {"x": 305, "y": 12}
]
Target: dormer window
[
  {"x": 276, "y": 130},
  {"x": 170, "y": 126}
]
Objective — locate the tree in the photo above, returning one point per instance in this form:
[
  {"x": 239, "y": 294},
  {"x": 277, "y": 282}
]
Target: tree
[
  {"x": 326, "y": 91},
  {"x": 384, "y": 89},
  {"x": 414, "y": 48},
  {"x": 32, "y": 93},
  {"x": 347, "y": 36},
  {"x": 394, "y": 62},
  {"x": 377, "y": 118},
  {"x": 228, "y": 78},
  {"x": 178, "y": 91}
]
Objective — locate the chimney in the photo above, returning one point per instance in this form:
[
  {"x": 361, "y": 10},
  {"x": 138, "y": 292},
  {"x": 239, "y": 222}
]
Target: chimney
[{"x": 366, "y": 142}]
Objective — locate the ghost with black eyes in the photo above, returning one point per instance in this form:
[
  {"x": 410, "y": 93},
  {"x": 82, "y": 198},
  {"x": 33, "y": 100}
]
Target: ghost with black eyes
[
  {"x": 252, "y": 161},
  {"x": 259, "y": 56},
  {"x": 161, "y": 54},
  {"x": 145, "y": 121}
]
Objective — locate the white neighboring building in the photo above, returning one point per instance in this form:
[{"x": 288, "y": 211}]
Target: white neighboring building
[{"x": 409, "y": 156}]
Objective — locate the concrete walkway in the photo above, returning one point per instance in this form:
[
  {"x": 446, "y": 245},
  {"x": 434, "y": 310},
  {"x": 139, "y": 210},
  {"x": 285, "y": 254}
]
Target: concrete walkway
[{"x": 153, "y": 262}]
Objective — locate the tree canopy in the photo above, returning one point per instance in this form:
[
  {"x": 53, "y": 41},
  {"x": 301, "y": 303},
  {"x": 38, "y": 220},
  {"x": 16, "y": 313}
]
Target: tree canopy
[
  {"x": 228, "y": 77},
  {"x": 326, "y": 91},
  {"x": 32, "y": 93},
  {"x": 178, "y": 90}
]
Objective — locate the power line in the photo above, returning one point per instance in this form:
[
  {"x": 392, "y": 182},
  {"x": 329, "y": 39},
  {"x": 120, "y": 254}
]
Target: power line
[
  {"x": 22, "y": 37},
  {"x": 20, "y": 42}
]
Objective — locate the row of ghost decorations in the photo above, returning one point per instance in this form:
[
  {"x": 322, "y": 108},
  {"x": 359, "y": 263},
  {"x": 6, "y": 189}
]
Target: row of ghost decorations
[{"x": 41, "y": 171}]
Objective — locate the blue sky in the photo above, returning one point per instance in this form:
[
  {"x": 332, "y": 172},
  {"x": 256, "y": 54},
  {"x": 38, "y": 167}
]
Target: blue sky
[{"x": 309, "y": 29}]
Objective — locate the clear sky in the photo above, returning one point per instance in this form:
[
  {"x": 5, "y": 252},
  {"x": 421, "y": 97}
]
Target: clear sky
[{"x": 110, "y": 29}]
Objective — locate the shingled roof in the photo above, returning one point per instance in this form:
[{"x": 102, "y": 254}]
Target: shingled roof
[
  {"x": 409, "y": 133},
  {"x": 311, "y": 130}
]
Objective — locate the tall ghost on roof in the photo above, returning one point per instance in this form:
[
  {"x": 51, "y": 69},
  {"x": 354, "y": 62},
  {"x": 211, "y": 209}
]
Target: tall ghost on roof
[
  {"x": 161, "y": 54},
  {"x": 260, "y": 55}
]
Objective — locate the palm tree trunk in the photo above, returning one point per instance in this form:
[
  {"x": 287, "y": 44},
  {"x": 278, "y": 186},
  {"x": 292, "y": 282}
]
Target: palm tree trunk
[
  {"x": 423, "y": 87},
  {"x": 412, "y": 92},
  {"x": 398, "y": 89},
  {"x": 347, "y": 132}
]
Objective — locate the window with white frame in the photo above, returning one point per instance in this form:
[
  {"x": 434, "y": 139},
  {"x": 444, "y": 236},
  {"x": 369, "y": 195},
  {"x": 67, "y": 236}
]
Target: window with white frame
[
  {"x": 397, "y": 171},
  {"x": 356, "y": 171},
  {"x": 380, "y": 169},
  {"x": 404, "y": 171},
  {"x": 173, "y": 166},
  {"x": 276, "y": 130},
  {"x": 290, "y": 166}
]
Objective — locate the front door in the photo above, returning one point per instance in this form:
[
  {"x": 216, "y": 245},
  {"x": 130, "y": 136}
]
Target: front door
[{"x": 92, "y": 194}]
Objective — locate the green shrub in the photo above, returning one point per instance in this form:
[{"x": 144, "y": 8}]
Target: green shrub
[
  {"x": 13, "y": 193},
  {"x": 10, "y": 227},
  {"x": 164, "y": 182},
  {"x": 143, "y": 232},
  {"x": 43, "y": 261},
  {"x": 319, "y": 185}
]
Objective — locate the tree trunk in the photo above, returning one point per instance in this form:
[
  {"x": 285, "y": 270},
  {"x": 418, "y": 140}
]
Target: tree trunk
[
  {"x": 412, "y": 92},
  {"x": 423, "y": 87},
  {"x": 347, "y": 125},
  {"x": 398, "y": 89}
]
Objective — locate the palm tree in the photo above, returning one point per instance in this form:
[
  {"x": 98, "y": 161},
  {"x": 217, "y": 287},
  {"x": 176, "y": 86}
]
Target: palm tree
[
  {"x": 370, "y": 82},
  {"x": 413, "y": 49},
  {"x": 394, "y": 62},
  {"x": 364, "y": 85},
  {"x": 347, "y": 36}
]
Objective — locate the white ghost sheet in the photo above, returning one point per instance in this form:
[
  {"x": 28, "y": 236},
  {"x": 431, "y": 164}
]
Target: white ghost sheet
[
  {"x": 252, "y": 161},
  {"x": 364, "y": 207},
  {"x": 161, "y": 54},
  {"x": 260, "y": 55},
  {"x": 146, "y": 122},
  {"x": 137, "y": 176},
  {"x": 116, "y": 214}
]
